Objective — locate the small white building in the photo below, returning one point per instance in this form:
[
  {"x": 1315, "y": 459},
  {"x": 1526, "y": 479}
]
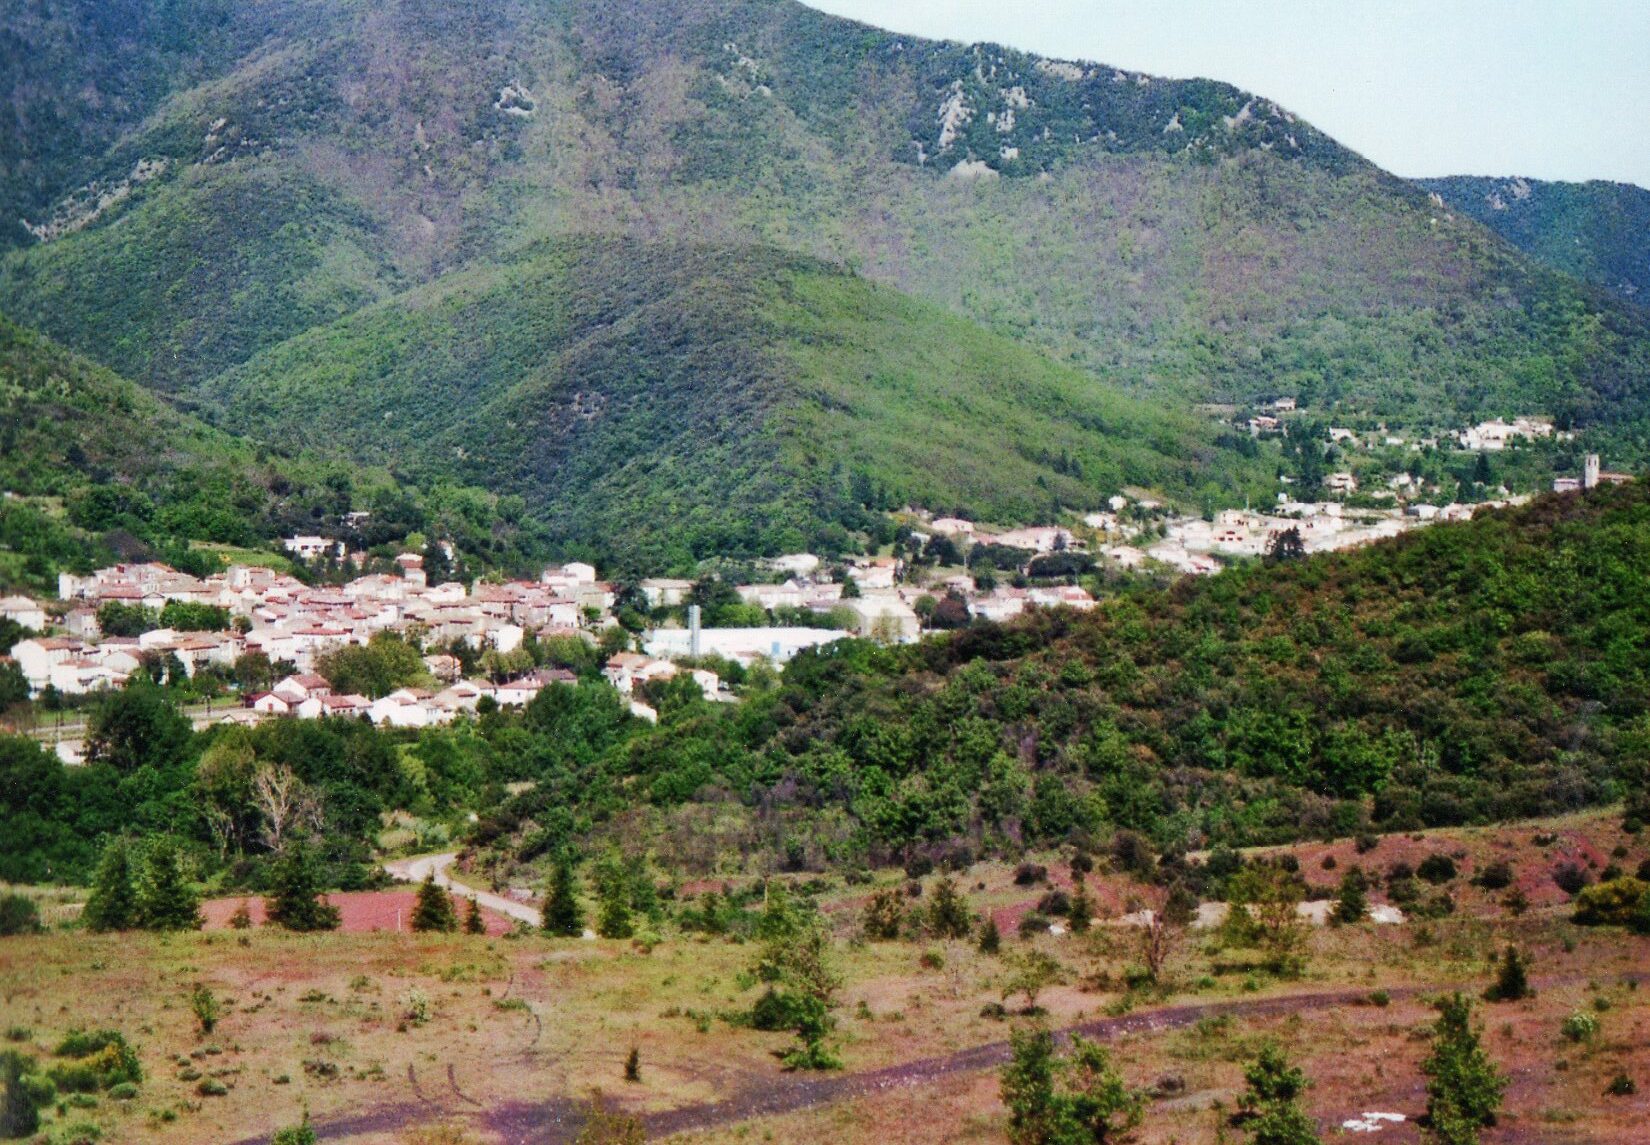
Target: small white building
[{"x": 21, "y": 610}]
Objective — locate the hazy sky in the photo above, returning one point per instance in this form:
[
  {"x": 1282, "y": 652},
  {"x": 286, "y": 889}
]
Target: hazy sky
[{"x": 1557, "y": 89}]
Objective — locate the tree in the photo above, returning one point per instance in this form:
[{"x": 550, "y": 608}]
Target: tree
[
  {"x": 164, "y": 898},
  {"x": 613, "y": 901},
  {"x": 1351, "y": 900},
  {"x": 112, "y": 904},
  {"x": 386, "y": 662},
  {"x": 295, "y": 902},
  {"x": 1464, "y": 1088},
  {"x": 434, "y": 909},
  {"x": 1164, "y": 930},
  {"x": 562, "y": 915},
  {"x": 1030, "y": 973},
  {"x": 1081, "y": 910},
  {"x": 948, "y": 913},
  {"x": 473, "y": 922},
  {"x": 1512, "y": 980},
  {"x": 991, "y": 938},
  {"x": 19, "y": 1110},
  {"x": 18, "y": 915},
  {"x": 1270, "y": 1111},
  {"x": 285, "y": 803},
  {"x": 1082, "y": 1099},
  {"x": 137, "y": 727},
  {"x": 1027, "y": 1087},
  {"x": 797, "y": 959},
  {"x": 1265, "y": 901},
  {"x": 205, "y": 1006},
  {"x": 1285, "y": 546},
  {"x": 884, "y": 914}
]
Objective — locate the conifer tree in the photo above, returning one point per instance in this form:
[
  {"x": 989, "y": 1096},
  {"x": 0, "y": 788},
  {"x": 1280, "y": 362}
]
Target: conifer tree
[
  {"x": 1271, "y": 1105},
  {"x": 473, "y": 922},
  {"x": 1463, "y": 1086},
  {"x": 165, "y": 900},
  {"x": 295, "y": 902},
  {"x": 1352, "y": 901},
  {"x": 1512, "y": 979},
  {"x": 19, "y": 1112},
  {"x": 991, "y": 939},
  {"x": 562, "y": 914},
  {"x": 113, "y": 902},
  {"x": 434, "y": 910},
  {"x": 613, "y": 919},
  {"x": 948, "y": 913}
]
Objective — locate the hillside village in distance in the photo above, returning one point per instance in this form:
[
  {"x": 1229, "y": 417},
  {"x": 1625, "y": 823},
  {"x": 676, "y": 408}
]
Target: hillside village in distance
[{"x": 476, "y": 640}]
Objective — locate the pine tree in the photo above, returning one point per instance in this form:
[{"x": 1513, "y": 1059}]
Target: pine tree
[
  {"x": 434, "y": 910},
  {"x": 1352, "y": 901},
  {"x": 113, "y": 902},
  {"x": 948, "y": 913},
  {"x": 991, "y": 939},
  {"x": 1081, "y": 911},
  {"x": 165, "y": 900},
  {"x": 613, "y": 917},
  {"x": 473, "y": 922},
  {"x": 1463, "y": 1086},
  {"x": 562, "y": 915},
  {"x": 295, "y": 902},
  {"x": 1271, "y": 1105},
  {"x": 1512, "y": 979},
  {"x": 19, "y": 1114}
]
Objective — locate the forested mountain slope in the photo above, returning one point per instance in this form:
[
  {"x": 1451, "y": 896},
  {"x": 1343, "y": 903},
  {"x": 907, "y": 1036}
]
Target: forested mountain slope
[
  {"x": 1493, "y": 669},
  {"x": 1181, "y": 238},
  {"x": 1597, "y": 231},
  {"x": 97, "y": 468},
  {"x": 661, "y": 402}
]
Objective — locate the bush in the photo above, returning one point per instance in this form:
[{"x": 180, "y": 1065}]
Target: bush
[
  {"x": 212, "y": 1087},
  {"x": 1571, "y": 878},
  {"x": 1495, "y": 877},
  {"x": 125, "y": 1091},
  {"x": 1580, "y": 1027},
  {"x": 1027, "y": 874},
  {"x": 205, "y": 1006},
  {"x": 94, "y": 1061},
  {"x": 1436, "y": 869},
  {"x": 300, "y": 1134},
  {"x": 18, "y": 915},
  {"x": 1621, "y": 1086},
  {"x": 1613, "y": 903}
]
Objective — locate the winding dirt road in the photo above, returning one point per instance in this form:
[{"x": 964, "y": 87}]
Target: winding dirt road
[{"x": 417, "y": 870}]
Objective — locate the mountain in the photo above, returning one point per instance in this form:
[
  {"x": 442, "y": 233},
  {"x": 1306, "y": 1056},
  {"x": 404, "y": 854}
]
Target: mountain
[
  {"x": 663, "y": 402},
  {"x": 229, "y": 187},
  {"x": 96, "y": 468},
  {"x": 1596, "y": 231}
]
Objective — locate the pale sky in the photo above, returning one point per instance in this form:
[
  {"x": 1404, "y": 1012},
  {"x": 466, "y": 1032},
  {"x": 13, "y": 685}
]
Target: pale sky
[{"x": 1552, "y": 89}]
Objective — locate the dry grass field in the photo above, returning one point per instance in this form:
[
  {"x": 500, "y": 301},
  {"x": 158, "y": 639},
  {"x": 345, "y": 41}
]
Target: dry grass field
[{"x": 397, "y": 1039}]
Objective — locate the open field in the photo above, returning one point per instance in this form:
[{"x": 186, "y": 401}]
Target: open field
[{"x": 520, "y": 1030}]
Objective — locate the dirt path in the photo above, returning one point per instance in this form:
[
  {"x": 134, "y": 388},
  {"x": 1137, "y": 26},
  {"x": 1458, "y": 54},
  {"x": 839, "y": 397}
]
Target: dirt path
[
  {"x": 558, "y": 1120},
  {"x": 416, "y": 870}
]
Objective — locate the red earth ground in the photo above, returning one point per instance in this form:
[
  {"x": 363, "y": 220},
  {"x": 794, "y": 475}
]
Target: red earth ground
[{"x": 360, "y": 911}]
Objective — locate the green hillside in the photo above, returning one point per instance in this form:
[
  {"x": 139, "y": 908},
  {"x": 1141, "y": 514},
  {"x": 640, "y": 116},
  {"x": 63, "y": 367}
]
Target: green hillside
[
  {"x": 96, "y": 468},
  {"x": 1599, "y": 232},
  {"x": 1183, "y": 239},
  {"x": 1484, "y": 671},
  {"x": 661, "y": 402}
]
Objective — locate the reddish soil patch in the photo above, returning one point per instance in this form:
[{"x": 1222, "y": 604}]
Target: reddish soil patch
[{"x": 361, "y": 911}]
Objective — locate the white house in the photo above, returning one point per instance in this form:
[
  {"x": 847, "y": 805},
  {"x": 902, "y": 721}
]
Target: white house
[
  {"x": 884, "y": 616},
  {"x": 37, "y": 656},
  {"x": 22, "y": 610},
  {"x": 661, "y": 592},
  {"x": 310, "y": 548}
]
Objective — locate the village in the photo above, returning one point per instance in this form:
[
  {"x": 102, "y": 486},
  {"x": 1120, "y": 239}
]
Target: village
[{"x": 971, "y": 572}]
